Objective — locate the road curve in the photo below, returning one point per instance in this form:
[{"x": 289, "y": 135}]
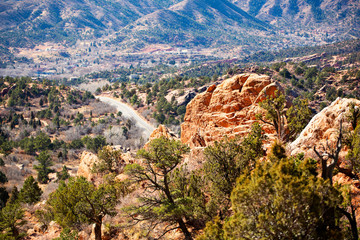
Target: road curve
[{"x": 128, "y": 112}]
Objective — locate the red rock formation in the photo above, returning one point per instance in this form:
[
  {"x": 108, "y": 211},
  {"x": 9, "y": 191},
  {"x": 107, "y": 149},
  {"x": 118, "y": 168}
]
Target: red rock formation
[
  {"x": 161, "y": 131},
  {"x": 87, "y": 161},
  {"x": 227, "y": 109}
]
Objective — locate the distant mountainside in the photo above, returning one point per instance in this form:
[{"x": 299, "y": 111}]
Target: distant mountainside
[
  {"x": 250, "y": 25},
  {"x": 27, "y": 14},
  {"x": 217, "y": 12},
  {"x": 193, "y": 23},
  {"x": 26, "y": 22},
  {"x": 341, "y": 17}
]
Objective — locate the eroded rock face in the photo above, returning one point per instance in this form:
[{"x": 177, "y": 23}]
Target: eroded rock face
[
  {"x": 186, "y": 98},
  {"x": 323, "y": 131},
  {"x": 87, "y": 160},
  {"x": 323, "y": 128},
  {"x": 161, "y": 131},
  {"x": 227, "y": 109}
]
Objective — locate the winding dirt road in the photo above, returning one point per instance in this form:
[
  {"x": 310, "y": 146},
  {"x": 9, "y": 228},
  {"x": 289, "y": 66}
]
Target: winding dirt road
[{"x": 130, "y": 113}]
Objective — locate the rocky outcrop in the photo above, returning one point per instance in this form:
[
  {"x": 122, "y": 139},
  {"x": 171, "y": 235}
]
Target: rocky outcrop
[
  {"x": 161, "y": 131},
  {"x": 226, "y": 109},
  {"x": 87, "y": 160},
  {"x": 323, "y": 128},
  {"x": 186, "y": 98},
  {"x": 322, "y": 132}
]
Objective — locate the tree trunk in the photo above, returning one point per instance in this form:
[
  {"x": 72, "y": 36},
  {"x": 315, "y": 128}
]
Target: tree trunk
[
  {"x": 184, "y": 229},
  {"x": 180, "y": 221},
  {"x": 352, "y": 220},
  {"x": 97, "y": 230},
  {"x": 15, "y": 232}
]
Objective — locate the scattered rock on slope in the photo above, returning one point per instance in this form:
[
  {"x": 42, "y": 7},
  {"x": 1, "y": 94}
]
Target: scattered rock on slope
[{"x": 186, "y": 98}]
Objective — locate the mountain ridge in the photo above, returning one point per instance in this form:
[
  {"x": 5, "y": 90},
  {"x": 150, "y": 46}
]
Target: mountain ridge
[
  {"x": 215, "y": 9},
  {"x": 237, "y": 27},
  {"x": 326, "y": 15}
]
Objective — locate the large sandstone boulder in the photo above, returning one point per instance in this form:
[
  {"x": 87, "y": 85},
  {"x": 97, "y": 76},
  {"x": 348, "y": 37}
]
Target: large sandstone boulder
[
  {"x": 323, "y": 129},
  {"x": 87, "y": 161},
  {"x": 227, "y": 109},
  {"x": 160, "y": 131}
]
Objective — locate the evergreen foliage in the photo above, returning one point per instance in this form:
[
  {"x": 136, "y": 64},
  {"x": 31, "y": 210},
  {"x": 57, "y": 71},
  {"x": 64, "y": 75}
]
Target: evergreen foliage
[
  {"x": 68, "y": 234},
  {"x": 43, "y": 168},
  {"x": 63, "y": 174},
  {"x": 5, "y": 145},
  {"x": 94, "y": 144},
  {"x": 170, "y": 195},
  {"x": 4, "y": 195},
  {"x": 213, "y": 230},
  {"x": 80, "y": 201},
  {"x": 225, "y": 162},
  {"x": 287, "y": 122},
  {"x": 109, "y": 161},
  {"x": 11, "y": 218},
  {"x": 14, "y": 195},
  {"x": 282, "y": 200},
  {"x": 30, "y": 192},
  {"x": 353, "y": 138}
]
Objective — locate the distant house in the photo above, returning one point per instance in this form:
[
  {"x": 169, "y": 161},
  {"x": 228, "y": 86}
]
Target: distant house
[{"x": 134, "y": 77}]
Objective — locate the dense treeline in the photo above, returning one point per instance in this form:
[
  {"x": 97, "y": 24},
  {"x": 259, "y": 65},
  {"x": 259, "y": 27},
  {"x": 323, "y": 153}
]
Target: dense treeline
[{"x": 19, "y": 91}]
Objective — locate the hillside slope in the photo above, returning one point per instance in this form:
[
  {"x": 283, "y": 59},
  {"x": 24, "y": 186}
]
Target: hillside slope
[
  {"x": 41, "y": 21},
  {"x": 217, "y": 12},
  {"x": 199, "y": 23},
  {"x": 336, "y": 17},
  {"x": 224, "y": 28}
]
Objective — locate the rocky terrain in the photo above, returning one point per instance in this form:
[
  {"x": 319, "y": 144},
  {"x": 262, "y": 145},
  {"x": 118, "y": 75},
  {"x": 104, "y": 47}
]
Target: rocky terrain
[
  {"x": 224, "y": 109},
  {"x": 232, "y": 137},
  {"x": 323, "y": 129},
  {"x": 228, "y": 109}
]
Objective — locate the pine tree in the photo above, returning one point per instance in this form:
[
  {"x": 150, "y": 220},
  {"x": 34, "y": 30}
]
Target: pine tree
[
  {"x": 80, "y": 201},
  {"x": 287, "y": 122},
  {"x": 4, "y": 195},
  {"x": 109, "y": 161},
  {"x": 282, "y": 200},
  {"x": 14, "y": 195},
  {"x": 30, "y": 192},
  {"x": 63, "y": 174},
  {"x": 43, "y": 168},
  {"x": 170, "y": 201},
  {"x": 225, "y": 162},
  {"x": 11, "y": 218}
]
